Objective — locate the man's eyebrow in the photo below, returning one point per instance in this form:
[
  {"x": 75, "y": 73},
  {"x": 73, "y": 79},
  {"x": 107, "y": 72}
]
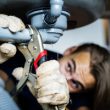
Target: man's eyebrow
[{"x": 74, "y": 63}]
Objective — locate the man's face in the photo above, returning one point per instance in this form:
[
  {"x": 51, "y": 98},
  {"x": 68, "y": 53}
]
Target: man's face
[{"x": 76, "y": 68}]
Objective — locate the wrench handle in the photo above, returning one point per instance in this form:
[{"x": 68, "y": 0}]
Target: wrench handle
[
  {"x": 42, "y": 57},
  {"x": 42, "y": 60}
]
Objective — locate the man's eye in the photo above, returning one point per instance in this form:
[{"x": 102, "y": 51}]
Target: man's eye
[{"x": 77, "y": 85}]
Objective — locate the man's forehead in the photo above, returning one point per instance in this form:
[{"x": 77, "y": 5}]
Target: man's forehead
[{"x": 81, "y": 55}]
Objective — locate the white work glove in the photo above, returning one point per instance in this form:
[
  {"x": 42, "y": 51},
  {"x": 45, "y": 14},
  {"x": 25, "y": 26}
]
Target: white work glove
[
  {"x": 14, "y": 24},
  {"x": 51, "y": 86},
  {"x": 51, "y": 89}
]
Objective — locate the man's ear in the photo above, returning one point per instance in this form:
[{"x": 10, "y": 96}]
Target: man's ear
[{"x": 70, "y": 50}]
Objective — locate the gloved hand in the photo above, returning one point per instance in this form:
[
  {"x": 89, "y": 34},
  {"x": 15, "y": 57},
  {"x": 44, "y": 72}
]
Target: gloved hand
[
  {"x": 51, "y": 87},
  {"x": 14, "y": 24}
]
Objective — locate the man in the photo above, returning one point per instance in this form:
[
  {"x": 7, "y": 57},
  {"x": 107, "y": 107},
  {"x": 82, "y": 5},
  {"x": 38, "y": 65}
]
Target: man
[{"x": 83, "y": 69}]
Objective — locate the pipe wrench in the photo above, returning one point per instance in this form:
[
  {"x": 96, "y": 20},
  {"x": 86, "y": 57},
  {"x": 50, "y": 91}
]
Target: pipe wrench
[{"x": 34, "y": 54}]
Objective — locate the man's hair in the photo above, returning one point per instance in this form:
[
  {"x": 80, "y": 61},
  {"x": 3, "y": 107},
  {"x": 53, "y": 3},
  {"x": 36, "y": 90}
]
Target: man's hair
[{"x": 100, "y": 68}]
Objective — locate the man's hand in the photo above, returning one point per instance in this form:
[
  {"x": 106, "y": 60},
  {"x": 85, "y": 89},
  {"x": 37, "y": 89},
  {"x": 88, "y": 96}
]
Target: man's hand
[
  {"x": 51, "y": 87},
  {"x": 14, "y": 24},
  {"x": 6, "y": 51}
]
